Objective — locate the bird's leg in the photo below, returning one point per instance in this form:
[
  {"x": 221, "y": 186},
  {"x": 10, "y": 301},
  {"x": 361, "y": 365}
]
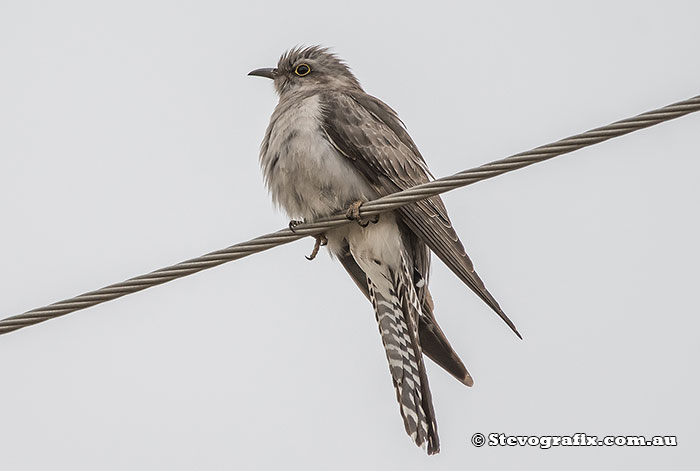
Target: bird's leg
[
  {"x": 353, "y": 213},
  {"x": 321, "y": 241},
  {"x": 294, "y": 223}
]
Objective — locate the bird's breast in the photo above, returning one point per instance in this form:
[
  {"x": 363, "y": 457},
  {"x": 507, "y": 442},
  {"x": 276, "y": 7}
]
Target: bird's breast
[{"x": 304, "y": 173}]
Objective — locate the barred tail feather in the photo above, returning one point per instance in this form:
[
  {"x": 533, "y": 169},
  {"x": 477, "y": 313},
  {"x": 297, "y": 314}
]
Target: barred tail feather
[{"x": 398, "y": 311}]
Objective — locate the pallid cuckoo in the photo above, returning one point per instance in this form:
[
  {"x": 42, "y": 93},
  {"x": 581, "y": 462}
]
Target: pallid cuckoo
[{"x": 328, "y": 147}]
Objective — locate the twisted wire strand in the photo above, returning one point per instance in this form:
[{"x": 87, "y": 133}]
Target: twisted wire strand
[{"x": 371, "y": 208}]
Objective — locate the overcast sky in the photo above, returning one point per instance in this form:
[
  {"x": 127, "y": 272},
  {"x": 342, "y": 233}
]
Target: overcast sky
[{"x": 129, "y": 136}]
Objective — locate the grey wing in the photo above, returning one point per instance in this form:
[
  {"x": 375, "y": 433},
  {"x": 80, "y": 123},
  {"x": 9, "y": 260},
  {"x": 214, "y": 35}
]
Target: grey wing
[{"x": 370, "y": 134}]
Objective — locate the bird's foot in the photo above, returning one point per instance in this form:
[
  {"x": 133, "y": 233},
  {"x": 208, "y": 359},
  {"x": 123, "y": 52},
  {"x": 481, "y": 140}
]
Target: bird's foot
[
  {"x": 353, "y": 213},
  {"x": 294, "y": 223},
  {"x": 321, "y": 241}
]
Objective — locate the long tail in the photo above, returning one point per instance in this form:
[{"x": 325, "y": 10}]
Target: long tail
[
  {"x": 398, "y": 312},
  {"x": 432, "y": 339}
]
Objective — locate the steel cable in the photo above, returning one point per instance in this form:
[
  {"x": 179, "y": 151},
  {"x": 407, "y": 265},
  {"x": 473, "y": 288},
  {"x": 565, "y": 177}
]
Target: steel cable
[{"x": 371, "y": 208}]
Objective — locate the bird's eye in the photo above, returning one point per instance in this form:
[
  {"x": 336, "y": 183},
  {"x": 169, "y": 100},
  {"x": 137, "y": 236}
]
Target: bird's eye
[{"x": 302, "y": 69}]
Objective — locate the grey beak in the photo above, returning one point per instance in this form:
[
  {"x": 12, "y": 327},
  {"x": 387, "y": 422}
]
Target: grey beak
[{"x": 267, "y": 72}]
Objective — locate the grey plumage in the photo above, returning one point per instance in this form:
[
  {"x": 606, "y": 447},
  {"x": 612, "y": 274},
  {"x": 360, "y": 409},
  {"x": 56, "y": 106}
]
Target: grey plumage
[{"x": 330, "y": 144}]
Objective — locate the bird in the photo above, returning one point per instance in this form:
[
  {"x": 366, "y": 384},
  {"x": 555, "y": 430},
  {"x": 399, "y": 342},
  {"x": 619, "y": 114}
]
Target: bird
[{"x": 329, "y": 147}]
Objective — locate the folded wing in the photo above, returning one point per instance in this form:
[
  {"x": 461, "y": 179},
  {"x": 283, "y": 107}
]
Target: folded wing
[{"x": 373, "y": 138}]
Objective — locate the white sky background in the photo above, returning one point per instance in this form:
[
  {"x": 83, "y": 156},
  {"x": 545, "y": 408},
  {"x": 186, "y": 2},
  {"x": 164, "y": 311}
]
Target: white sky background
[{"x": 129, "y": 136}]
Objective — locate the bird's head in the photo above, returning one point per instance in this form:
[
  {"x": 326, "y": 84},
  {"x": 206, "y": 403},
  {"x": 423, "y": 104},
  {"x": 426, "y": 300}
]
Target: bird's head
[{"x": 308, "y": 68}]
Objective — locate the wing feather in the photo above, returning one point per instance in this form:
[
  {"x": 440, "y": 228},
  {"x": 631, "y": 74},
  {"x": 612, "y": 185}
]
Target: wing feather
[{"x": 370, "y": 134}]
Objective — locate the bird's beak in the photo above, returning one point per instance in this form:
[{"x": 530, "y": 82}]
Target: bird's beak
[{"x": 267, "y": 72}]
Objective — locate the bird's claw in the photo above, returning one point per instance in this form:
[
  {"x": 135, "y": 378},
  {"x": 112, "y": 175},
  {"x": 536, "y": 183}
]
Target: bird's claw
[
  {"x": 321, "y": 241},
  {"x": 353, "y": 213},
  {"x": 294, "y": 223}
]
